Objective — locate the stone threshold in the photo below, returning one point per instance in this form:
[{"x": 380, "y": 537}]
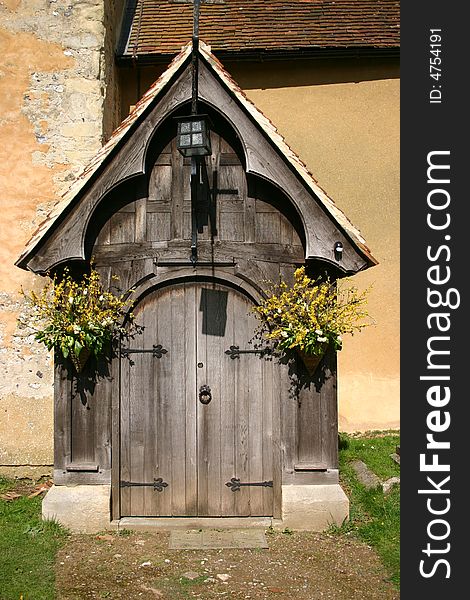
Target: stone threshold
[{"x": 169, "y": 523}]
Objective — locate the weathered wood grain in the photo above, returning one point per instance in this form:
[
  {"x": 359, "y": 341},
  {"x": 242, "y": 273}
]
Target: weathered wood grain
[
  {"x": 167, "y": 432},
  {"x": 62, "y": 412}
]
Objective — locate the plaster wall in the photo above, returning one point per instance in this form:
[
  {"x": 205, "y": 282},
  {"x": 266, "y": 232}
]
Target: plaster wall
[
  {"x": 342, "y": 118},
  {"x": 54, "y": 87}
]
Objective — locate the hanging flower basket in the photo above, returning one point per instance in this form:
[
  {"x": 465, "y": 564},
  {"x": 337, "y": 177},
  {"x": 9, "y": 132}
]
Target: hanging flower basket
[
  {"x": 310, "y": 316},
  {"x": 311, "y": 361},
  {"x": 80, "y": 360},
  {"x": 77, "y": 318}
]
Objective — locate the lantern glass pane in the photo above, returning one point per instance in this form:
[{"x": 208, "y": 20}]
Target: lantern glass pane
[
  {"x": 197, "y": 126},
  {"x": 185, "y": 127},
  {"x": 185, "y": 140},
  {"x": 197, "y": 139}
]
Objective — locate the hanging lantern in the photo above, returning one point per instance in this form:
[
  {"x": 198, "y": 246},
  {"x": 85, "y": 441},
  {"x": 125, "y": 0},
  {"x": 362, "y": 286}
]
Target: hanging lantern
[{"x": 193, "y": 138}]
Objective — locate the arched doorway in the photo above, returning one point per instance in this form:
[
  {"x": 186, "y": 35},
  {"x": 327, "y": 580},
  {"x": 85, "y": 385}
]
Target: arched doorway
[{"x": 181, "y": 442}]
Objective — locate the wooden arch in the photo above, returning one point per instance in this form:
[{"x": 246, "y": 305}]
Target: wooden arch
[{"x": 205, "y": 274}]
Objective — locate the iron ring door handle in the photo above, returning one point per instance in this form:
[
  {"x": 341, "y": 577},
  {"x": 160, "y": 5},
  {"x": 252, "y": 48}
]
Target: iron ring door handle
[{"x": 205, "y": 395}]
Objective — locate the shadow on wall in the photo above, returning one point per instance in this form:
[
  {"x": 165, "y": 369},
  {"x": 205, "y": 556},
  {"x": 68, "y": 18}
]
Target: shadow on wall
[
  {"x": 309, "y": 72},
  {"x": 273, "y": 74}
]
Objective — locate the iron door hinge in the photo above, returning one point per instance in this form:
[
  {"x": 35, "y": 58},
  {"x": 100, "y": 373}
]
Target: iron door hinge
[
  {"x": 234, "y": 352},
  {"x": 235, "y": 484},
  {"x": 157, "y": 351},
  {"x": 158, "y": 484}
]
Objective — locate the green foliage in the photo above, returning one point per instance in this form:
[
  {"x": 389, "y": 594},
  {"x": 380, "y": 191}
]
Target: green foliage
[
  {"x": 72, "y": 316},
  {"x": 28, "y": 547},
  {"x": 374, "y": 516},
  {"x": 311, "y": 314},
  {"x": 4, "y": 484},
  {"x": 124, "y": 532}
]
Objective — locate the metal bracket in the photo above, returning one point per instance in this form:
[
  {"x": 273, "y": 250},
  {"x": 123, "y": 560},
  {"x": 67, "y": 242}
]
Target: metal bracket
[
  {"x": 158, "y": 484},
  {"x": 234, "y": 352},
  {"x": 227, "y": 192},
  {"x": 157, "y": 351},
  {"x": 234, "y": 484}
]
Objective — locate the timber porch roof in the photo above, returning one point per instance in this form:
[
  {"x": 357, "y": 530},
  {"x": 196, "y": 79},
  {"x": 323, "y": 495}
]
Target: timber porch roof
[
  {"x": 125, "y": 129},
  {"x": 153, "y": 28}
]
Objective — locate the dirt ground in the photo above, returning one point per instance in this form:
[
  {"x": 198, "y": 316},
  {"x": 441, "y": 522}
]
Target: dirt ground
[{"x": 300, "y": 566}]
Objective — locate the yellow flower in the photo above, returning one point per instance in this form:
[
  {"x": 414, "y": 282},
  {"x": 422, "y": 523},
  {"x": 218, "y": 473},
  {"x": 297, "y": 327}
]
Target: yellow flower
[{"x": 310, "y": 314}]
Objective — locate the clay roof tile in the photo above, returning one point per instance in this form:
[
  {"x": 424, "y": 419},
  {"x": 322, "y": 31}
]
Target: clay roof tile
[{"x": 162, "y": 27}]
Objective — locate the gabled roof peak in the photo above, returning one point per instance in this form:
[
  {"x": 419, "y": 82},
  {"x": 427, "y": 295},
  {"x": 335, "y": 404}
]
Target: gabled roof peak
[{"x": 124, "y": 131}]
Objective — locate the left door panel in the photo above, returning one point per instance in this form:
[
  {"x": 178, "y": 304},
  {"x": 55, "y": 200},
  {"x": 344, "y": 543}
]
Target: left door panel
[{"x": 158, "y": 409}]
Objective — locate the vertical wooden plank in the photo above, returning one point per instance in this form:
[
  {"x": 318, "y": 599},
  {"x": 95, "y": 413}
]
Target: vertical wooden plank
[
  {"x": 176, "y": 433},
  {"x": 279, "y": 397},
  {"x": 137, "y": 421},
  {"x": 229, "y": 418},
  {"x": 257, "y": 399},
  {"x": 134, "y": 412},
  {"x": 213, "y": 174},
  {"x": 159, "y": 205},
  {"x": 219, "y": 402},
  {"x": 242, "y": 429},
  {"x": 164, "y": 382},
  {"x": 125, "y": 429},
  {"x": 268, "y": 227},
  {"x": 309, "y": 438},
  {"x": 231, "y": 226},
  {"x": 116, "y": 437},
  {"x": 203, "y": 415},
  {"x": 102, "y": 402},
  {"x": 141, "y": 220},
  {"x": 62, "y": 413},
  {"x": 189, "y": 415},
  {"x": 122, "y": 227},
  {"x": 232, "y": 207},
  {"x": 83, "y": 417},
  {"x": 267, "y": 401},
  {"x": 177, "y": 193},
  {"x": 158, "y": 226},
  {"x": 146, "y": 400},
  {"x": 329, "y": 400},
  {"x": 287, "y": 231},
  {"x": 289, "y": 412},
  {"x": 102, "y": 398},
  {"x": 250, "y": 214},
  {"x": 104, "y": 236}
]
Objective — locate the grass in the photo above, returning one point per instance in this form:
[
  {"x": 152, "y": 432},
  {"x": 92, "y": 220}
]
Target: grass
[
  {"x": 374, "y": 516},
  {"x": 28, "y": 548}
]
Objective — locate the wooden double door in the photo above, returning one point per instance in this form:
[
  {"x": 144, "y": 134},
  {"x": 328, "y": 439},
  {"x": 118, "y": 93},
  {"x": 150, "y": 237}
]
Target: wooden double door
[{"x": 197, "y": 416}]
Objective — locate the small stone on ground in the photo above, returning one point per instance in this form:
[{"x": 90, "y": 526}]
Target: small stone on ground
[
  {"x": 387, "y": 485},
  {"x": 365, "y": 475},
  {"x": 191, "y": 575}
]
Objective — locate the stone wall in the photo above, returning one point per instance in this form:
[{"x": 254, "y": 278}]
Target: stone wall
[{"x": 57, "y": 78}]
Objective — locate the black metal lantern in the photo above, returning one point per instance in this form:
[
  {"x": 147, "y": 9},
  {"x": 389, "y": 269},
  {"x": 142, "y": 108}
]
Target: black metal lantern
[{"x": 193, "y": 138}]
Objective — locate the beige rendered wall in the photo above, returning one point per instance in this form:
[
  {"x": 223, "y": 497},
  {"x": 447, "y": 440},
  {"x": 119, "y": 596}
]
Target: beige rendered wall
[
  {"x": 343, "y": 121},
  {"x": 54, "y": 87},
  {"x": 342, "y": 118}
]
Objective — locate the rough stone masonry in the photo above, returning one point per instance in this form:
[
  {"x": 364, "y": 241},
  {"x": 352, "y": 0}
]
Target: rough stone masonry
[{"x": 58, "y": 103}]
